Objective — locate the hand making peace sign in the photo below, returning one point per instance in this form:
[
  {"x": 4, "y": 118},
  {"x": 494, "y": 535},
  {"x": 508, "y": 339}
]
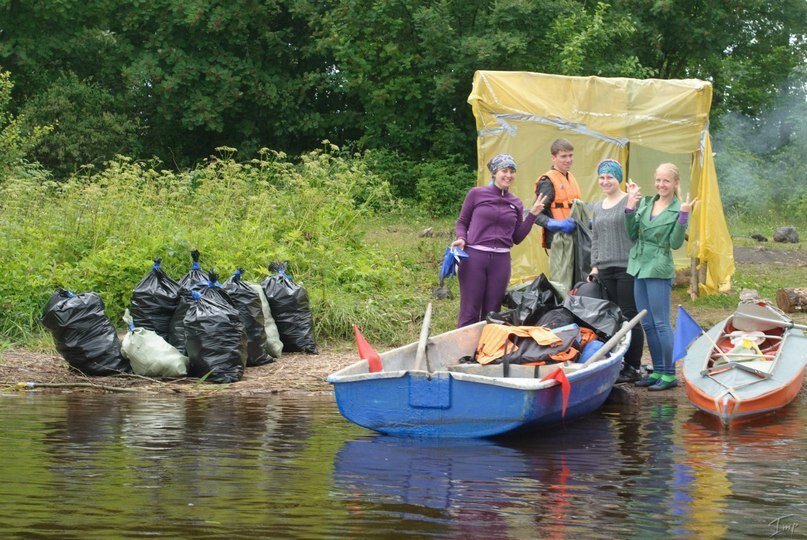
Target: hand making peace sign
[
  {"x": 688, "y": 205},
  {"x": 538, "y": 207}
]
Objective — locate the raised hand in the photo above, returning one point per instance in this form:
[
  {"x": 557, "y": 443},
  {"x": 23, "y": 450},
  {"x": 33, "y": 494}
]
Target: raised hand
[
  {"x": 688, "y": 205},
  {"x": 538, "y": 207},
  {"x": 634, "y": 194}
]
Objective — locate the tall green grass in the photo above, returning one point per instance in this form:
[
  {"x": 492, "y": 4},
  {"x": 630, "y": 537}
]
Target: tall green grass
[
  {"x": 347, "y": 238},
  {"x": 100, "y": 231}
]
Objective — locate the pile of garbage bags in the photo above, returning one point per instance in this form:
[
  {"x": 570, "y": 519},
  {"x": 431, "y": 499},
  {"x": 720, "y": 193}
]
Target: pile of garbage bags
[
  {"x": 581, "y": 322},
  {"x": 196, "y": 327}
]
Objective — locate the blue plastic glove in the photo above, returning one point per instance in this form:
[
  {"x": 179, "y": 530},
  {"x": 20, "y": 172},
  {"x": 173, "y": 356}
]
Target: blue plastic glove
[
  {"x": 451, "y": 259},
  {"x": 561, "y": 225}
]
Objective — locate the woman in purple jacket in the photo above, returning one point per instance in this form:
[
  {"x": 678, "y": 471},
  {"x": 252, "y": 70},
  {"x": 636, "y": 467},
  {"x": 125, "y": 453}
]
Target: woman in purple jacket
[{"x": 491, "y": 220}]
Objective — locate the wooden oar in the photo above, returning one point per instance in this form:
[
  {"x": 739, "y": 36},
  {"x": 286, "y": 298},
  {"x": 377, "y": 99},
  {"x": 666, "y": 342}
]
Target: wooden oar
[
  {"x": 420, "y": 355},
  {"x": 615, "y": 338}
]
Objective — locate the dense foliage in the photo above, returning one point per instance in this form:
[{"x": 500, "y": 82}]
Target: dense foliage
[
  {"x": 100, "y": 230},
  {"x": 83, "y": 84},
  {"x": 15, "y": 142},
  {"x": 178, "y": 78}
]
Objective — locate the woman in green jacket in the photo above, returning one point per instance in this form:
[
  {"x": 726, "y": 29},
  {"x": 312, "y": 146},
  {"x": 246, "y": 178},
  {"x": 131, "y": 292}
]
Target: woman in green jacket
[{"x": 657, "y": 225}]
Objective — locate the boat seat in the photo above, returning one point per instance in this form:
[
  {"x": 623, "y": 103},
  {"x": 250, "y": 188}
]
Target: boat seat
[
  {"x": 747, "y": 346},
  {"x": 516, "y": 370}
]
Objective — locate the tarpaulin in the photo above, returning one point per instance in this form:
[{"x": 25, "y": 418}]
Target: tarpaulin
[{"x": 631, "y": 120}]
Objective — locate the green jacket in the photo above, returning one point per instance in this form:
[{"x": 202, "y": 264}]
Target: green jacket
[{"x": 651, "y": 255}]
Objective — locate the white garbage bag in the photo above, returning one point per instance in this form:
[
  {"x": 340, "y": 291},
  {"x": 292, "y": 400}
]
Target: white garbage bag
[
  {"x": 150, "y": 355},
  {"x": 275, "y": 345}
]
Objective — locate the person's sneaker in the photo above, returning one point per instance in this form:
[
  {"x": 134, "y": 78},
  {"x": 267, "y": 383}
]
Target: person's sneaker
[
  {"x": 663, "y": 385},
  {"x": 628, "y": 374},
  {"x": 647, "y": 381}
]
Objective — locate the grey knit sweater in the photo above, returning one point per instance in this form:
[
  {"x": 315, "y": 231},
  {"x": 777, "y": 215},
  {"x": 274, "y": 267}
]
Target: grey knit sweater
[{"x": 610, "y": 244}]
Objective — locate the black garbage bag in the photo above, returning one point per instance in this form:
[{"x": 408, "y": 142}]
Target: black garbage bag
[
  {"x": 528, "y": 304},
  {"x": 593, "y": 289},
  {"x": 83, "y": 334},
  {"x": 248, "y": 302},
  {"x": 214, "y": 338},
  {"x": 154, "y": 301},
  {"x": 505, "y": 316},
  {"x": 602, "y": 316},
  {"x": 555, "y": 318},
  {"x": 195, "y": 274},
  {"x": 289, "y": 304},
  {"x": 193, "y": 280},
  {"x": 582, "y": 252}
]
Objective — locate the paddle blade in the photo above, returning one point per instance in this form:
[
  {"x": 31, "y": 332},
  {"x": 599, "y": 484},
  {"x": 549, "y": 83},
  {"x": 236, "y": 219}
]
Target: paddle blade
[
  {"x": 565, "y": 387},
  {"x": 366, "y": 352}
]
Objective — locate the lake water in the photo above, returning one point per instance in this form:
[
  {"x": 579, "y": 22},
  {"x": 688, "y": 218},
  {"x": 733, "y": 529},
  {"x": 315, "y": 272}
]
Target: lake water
[{"x": 113, "y": 466}]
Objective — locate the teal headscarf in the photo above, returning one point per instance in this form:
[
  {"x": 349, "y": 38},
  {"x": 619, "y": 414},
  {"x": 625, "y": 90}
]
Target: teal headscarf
[{"x": 610, "y": 166}]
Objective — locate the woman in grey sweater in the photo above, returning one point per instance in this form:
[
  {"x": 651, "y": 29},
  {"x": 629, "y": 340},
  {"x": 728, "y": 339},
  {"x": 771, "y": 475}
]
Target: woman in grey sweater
[{"x": 610, "y": 246}]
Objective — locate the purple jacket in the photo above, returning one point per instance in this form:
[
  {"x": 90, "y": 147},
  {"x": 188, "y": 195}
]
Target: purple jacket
[{"x": 493, "y": 218}]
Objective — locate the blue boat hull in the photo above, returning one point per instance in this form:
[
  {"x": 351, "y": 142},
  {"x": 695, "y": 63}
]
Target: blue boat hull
[{"x": 417, "y": 404}]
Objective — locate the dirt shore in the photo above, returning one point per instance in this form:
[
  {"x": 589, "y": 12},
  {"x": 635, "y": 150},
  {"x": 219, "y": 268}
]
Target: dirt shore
[{"x": 295, "y": 372}]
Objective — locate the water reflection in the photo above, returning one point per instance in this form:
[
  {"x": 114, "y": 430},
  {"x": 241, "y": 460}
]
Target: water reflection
[
  {"x": 81, "y": 466},
  {"x": 759, "y": 462},
  {"x": 425, "y": 473},
  {"x": 482, "y": 488}
]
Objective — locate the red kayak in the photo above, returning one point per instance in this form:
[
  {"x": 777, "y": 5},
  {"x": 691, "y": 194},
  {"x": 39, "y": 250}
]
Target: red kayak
[{"x": 749, "y": 364}]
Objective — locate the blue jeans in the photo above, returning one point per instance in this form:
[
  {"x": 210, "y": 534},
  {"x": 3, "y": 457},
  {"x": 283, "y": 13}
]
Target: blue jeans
[{"x": 654, "y": 295}]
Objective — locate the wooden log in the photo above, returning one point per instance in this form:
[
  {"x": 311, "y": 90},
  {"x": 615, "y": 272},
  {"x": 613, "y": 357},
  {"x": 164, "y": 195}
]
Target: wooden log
[{"x": 790, "y": 300}]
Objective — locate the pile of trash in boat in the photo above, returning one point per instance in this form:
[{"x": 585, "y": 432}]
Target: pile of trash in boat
[
  {"x": 196, "y": 327},
  {"x": 539, "y": 326}
]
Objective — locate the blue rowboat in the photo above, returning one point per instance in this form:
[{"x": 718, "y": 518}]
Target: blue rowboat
[{"x": 450, "y": 399}]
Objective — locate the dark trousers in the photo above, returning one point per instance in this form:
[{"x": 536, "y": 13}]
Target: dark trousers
[
  {"x": 620, "y": 291},
  {"x": 483, "y": 278}
]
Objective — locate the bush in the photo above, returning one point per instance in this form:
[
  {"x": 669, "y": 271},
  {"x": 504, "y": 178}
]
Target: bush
[
  {"x": 15, "y": 140},
  {"x": 442, "y": 185},
  {"x": 100, "y": 230},
  {"x": 86, "y": 127},
  {"x": 397, "y": 170}
]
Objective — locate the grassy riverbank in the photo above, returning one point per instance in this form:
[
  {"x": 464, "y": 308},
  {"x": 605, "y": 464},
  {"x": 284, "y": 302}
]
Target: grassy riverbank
[
  {"x": 763, "y": 267},
  {"x": 365, "y": 257},
  {"x": 407, "y": 261}
]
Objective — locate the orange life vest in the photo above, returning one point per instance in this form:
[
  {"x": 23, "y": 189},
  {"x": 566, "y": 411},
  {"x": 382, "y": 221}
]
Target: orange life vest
[{"x": 566, "y": 191}]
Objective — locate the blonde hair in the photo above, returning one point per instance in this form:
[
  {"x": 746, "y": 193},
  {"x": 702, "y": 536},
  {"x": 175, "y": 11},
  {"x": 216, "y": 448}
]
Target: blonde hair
[{"x": 676, "y": 176}]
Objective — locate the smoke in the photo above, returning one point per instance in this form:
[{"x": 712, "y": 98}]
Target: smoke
[{"x": 760, "y": 160}]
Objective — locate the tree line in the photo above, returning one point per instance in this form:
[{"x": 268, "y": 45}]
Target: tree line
[{"x": 177, "y": 78}]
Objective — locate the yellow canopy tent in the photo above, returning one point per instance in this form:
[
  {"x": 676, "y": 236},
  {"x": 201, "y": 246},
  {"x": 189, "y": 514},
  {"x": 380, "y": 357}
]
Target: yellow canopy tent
[{"x": 641, "y": 123}]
